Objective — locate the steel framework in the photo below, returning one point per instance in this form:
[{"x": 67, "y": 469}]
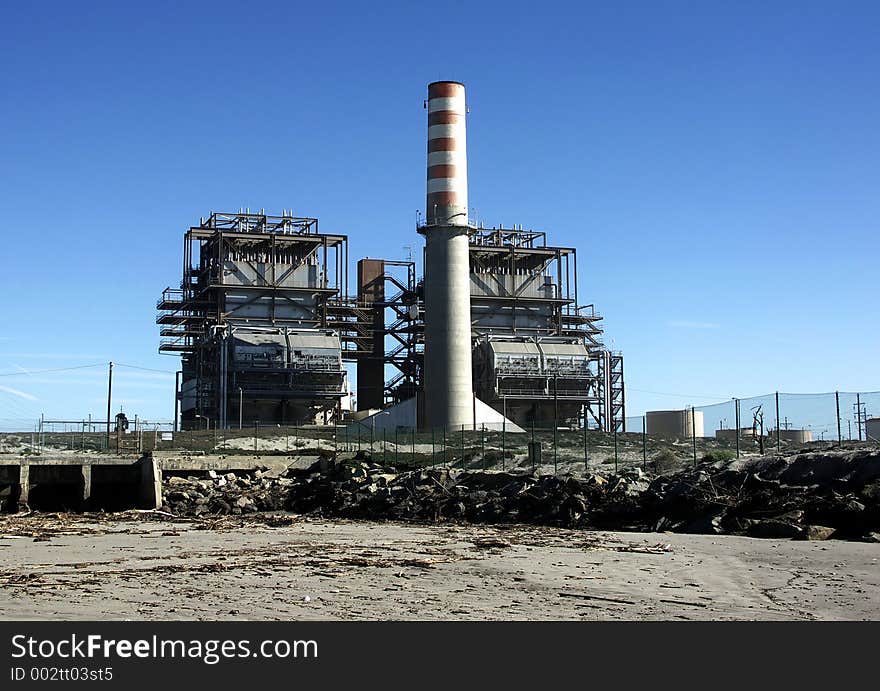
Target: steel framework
[{"x": 250, "y": 272}]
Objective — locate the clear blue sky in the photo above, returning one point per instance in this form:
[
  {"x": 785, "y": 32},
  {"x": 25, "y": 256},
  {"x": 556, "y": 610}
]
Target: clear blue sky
[{"x": 715, "y": 163}]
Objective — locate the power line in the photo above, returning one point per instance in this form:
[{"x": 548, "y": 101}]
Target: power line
[
  {"x": 145, "y": 369},
  {"x": 44, "y": 371},
  {"x": 680, "y": 395}
]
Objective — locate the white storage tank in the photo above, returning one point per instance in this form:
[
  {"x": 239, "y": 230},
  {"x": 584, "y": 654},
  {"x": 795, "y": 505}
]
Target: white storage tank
[
  {"x": 795, "y": 436},
  {"x": 675, "y": 423},
  {"x": 872, "y": 427}
]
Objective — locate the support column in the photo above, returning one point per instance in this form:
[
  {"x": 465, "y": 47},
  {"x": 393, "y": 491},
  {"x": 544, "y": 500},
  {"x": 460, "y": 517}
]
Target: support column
[
  {"x": 151, "y": 482},
  {"x": 87, "y": 483},
  {"x": 24, "y": 485}
]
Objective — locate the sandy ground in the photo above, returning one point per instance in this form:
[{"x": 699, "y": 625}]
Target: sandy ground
[{"x": 129, "y": 568}]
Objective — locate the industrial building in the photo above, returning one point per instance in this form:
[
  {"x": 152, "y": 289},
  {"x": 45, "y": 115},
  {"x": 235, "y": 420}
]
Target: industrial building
[
  {"x": 495, "y": 329},
  {"x": 250, "y": 320}
]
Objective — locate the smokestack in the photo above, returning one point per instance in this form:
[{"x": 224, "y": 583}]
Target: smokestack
[
  {"x": 447, "y": 200},
  {"x": 448, "y": 385}
]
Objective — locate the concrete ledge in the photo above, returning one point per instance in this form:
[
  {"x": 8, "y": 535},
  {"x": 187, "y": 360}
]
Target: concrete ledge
[
  {"x": 83, "y": 480},
  {"x": 96, "y": 480}
]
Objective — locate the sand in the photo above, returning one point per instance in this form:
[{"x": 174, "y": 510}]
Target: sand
[{"x": 133, "y": 567}]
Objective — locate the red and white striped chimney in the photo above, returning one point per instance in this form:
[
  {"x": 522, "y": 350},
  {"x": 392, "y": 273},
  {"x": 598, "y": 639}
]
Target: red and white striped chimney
[{"x": 447, "y": 201}]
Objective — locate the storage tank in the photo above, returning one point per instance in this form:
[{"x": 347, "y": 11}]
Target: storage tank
[
  {"x": 675, "y": 423},
  {"x": 796, "y": 436},
  {"x": 872, "y": 428}
]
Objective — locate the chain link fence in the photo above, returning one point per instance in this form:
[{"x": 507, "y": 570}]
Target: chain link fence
[{"x": 762, "y": 424}]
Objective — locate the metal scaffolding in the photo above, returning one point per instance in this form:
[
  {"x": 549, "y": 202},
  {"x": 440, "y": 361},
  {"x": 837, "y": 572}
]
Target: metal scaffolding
[
  {"x": 255, "y": 288},
  {"x": 250, "y": 319}
]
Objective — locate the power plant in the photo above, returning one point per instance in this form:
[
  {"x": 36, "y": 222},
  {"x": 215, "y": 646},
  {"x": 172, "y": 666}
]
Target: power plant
[{"x": 494, "y": 334}]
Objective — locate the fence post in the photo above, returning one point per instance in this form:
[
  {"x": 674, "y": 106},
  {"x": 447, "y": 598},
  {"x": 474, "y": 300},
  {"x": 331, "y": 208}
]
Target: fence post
[
  {"x": 396, "y": 446},
  {"x": 433, "y": 447},
  {"x": 483, "y": 446},
  {"x": 413, "y": 446},
  {"x": 555, "y": 444},
  {"x": 615, "y": 445},
  {"x": 777, "y": 424},
  {"x": 586, "y": 442},
  {"x": 644, "y": 442},
  {"x": 462, "y": 444},
  {"x": 504, "y": 444},
  {"x": 837, "y": 404},
  {"x": 694, "y": 432},
  {"x": 736, "y": 413}
]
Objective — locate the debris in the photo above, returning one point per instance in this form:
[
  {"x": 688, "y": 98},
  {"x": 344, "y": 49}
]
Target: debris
[
  {"x": 804, "y": 495},
  {"x": 598, "y": 597},
  {"x": 490, "y": 542},
  {"x": 817, "y": 532}
]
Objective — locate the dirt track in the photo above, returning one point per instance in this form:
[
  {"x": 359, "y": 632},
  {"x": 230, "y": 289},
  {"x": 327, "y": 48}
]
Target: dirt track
[{"x": 75, "y": 568}]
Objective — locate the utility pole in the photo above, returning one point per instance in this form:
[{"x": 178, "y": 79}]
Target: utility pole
[
  {"x": 109, "y": 397},
  {"x": 860, "y": 415}
]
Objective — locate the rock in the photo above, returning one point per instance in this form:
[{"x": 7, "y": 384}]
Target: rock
[
  {"x": 871, "y": 492},
  {"x": 792, "y": 516},
  {"x": 817, "y": 532},
  {"x": 744, "y": 496},
  {"x": 212, "y": 474},
  {"x": 772, "y": 528},
  {"x": 709, "y": 524},
  {"x": 383, "y": 479}
]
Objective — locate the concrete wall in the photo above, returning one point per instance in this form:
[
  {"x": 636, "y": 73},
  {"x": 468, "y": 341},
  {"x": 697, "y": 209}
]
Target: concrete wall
[{"x": 83, "y": 482}]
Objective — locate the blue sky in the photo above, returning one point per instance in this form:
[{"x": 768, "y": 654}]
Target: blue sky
[{"x": 715, "y": 163}]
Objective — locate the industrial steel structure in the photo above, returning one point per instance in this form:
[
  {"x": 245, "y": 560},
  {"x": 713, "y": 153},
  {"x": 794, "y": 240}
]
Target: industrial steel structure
[
  {"x": 264, "y": 319},
  {"x": 250, "y": 320}
]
